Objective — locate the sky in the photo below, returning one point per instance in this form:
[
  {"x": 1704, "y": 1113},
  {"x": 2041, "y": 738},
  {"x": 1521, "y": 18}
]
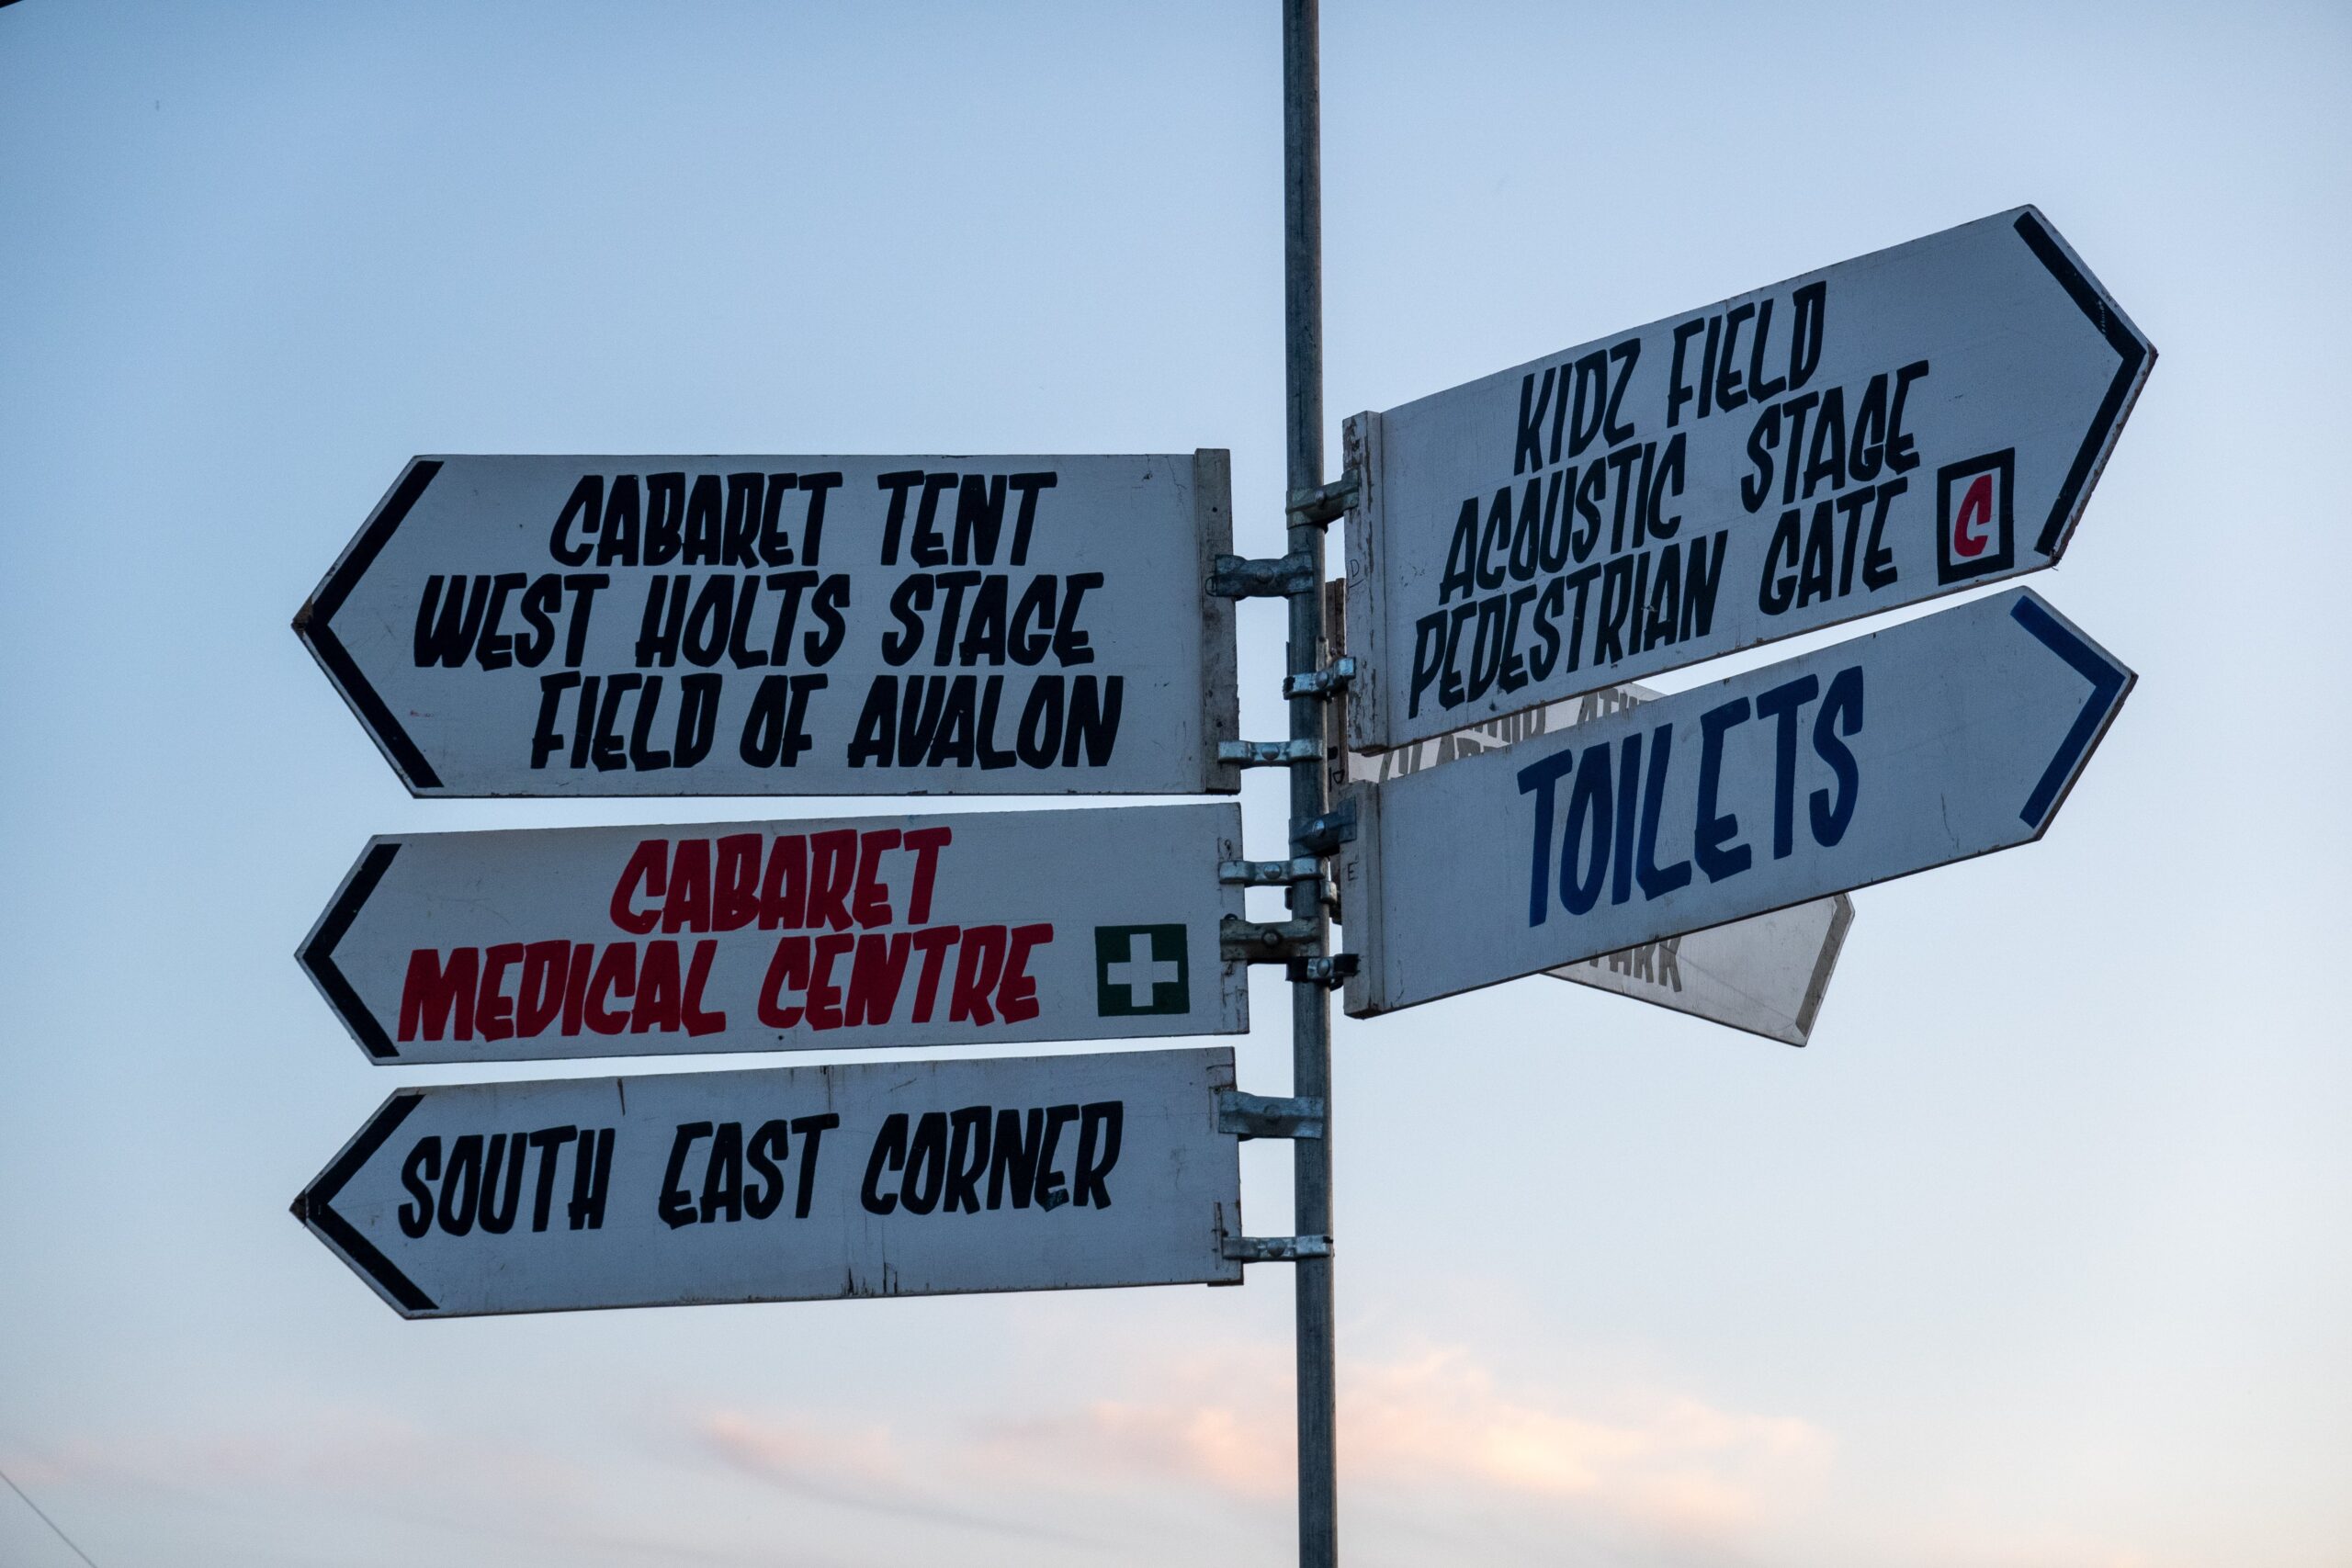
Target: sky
[{"x": 2035, "y": 1257}]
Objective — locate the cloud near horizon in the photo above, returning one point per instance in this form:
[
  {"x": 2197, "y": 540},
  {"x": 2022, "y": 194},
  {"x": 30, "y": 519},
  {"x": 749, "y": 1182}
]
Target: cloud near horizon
[
  {"x": 1433, "y": 1422},
  {"x": 1425, "y": 1430}
]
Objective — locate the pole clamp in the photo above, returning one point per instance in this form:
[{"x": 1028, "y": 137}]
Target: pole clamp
[
  {"x": 1324, "y": 503},
  {"x": 1260, "y": 1116},
  {"x": 1268, "y": 873},
  {"x": 1326, "y": 682},
  {"x": 1323, "y": 835},
  {"x": 1271, "y": 942},
  {"x": 1293, "y": 944},
  {"x": 1274, "y": 1248},
  {"x": 1278, "y": 577},
  {"x": 1268, "y": 753},
  {"x": 1330, "y": 973}
]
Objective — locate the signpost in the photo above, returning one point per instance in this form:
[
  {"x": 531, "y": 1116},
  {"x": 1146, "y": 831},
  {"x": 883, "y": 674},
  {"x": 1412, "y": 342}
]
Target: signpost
[
  {"x": 631, "y": 625},
  {"x": 1907, "y": 424},
  {"x": 1312, "y": 729},
  {"x": 971, "y": 929},
  {"x": 896, "y": 1179},
  {"x": 1945, "y": 737},
  {"x": 1915, "y": 422}
]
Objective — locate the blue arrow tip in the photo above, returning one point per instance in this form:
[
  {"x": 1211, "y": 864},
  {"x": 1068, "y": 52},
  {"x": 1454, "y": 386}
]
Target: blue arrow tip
[{"x": 2108, "y": 680}]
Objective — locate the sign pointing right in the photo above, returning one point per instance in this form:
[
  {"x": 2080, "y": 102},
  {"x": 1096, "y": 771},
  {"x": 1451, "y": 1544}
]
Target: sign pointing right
[
  {"x": 1934, "y": 741},
  {"x": 1895, "y": 427},
  {"x": 1766, "y": 975}
]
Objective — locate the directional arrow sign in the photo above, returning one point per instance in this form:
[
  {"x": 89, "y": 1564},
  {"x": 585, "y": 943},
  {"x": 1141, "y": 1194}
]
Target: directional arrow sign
[
  {"x": 899, "y": 1178},
  {"x": 1947, "y": 736},
  {"x": 971, "y": 929},
  {"x": 1766, "y": 975},
  {"x": 1923, "y": 419},
  {"x": 790, "y": 625}
]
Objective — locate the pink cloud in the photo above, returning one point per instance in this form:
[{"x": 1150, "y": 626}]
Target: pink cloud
[
  {"x": 1426, "y": 1426},
  {"x": 1442, "y": 1418},
  {"x": 802, "y": 1451}
]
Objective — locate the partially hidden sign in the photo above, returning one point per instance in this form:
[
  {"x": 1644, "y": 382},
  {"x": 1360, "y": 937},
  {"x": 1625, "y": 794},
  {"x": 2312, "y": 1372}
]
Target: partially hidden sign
[
  {"x": 896, "y": 1179},
  {"x": 1947, "y": 736},
  {"x": 1766, "y": 975},
  {"x": 941, "y": 929},
  {"x": 1915, "y": 422},
  {"x": 632, "y": 625}
]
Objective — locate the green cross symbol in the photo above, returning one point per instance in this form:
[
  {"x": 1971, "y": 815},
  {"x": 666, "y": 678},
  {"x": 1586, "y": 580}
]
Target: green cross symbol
[{"x": 1139, "y": 970}]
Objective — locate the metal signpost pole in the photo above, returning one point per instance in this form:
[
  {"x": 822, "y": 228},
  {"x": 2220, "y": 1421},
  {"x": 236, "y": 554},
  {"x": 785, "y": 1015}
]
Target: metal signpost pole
[{"x": 1310, "y": 1000}]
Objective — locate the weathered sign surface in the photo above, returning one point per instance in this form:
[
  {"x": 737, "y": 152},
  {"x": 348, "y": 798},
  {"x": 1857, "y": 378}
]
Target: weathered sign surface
[
  {"x": 1945, "y": 737},
  {"x": 894, "y": 1178},
  {"x": 1915, "y": 422},
  {"x": 949, "y": 929},
  {"x": 621, "y": 625},
  {"x": 1766, "y": 975}
]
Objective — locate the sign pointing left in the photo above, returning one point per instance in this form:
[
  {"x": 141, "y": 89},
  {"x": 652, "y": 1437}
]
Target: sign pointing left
[
  {"x": 630, "y": 626},
  {"x": 896, "y": 1179},
  {"x": 978, "y": 928}
]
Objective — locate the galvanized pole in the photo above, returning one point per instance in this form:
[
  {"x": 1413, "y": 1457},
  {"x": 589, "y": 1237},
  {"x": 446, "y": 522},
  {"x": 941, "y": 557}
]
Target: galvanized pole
[{"x": 1318, "y": 1531}]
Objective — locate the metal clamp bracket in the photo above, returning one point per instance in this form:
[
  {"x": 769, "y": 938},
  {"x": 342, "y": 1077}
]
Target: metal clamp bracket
[
  {"x": 1330, "y": 973},
  {"x": 1274, "y": 941},
  {"x": 1260, "y": 1116},
  {"x": 1275, "y": 1249},
  {"x": 1238, "y": 577},
  {"x": 1268, "y": 873},
  {"x": 1268, "y": 753},
  {"x": 1323, "y": 835},
  {"x": 1324, "y": 503},
  {"x": 1326, "y": 683}
]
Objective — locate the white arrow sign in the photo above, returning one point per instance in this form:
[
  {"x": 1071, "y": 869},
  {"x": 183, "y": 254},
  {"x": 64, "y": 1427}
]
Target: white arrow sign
[
  {"x": 1945, "y": 737},
  {"x": 970, "y": 929},
  {"x": 1766, "y": 975},
  {"x": 896, "y": 1179},
  {"x": 1918, "y": 421},
  {"x": 790, "y": 625}
]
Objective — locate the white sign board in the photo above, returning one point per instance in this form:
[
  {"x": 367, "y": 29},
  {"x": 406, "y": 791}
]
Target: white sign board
[
  {"x": 1945, "y": 737},
  {"x": 953, "y": 929},
  {"x": 1922, "y": 419},
  {"x": 896, "y": 1179},
  {"x": 1766, "y": 975},
  {"x": 790, "y": 625}
]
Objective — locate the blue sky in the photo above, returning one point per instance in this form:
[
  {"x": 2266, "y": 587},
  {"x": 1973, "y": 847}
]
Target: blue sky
[{"x": 2036, "y": 1258}]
